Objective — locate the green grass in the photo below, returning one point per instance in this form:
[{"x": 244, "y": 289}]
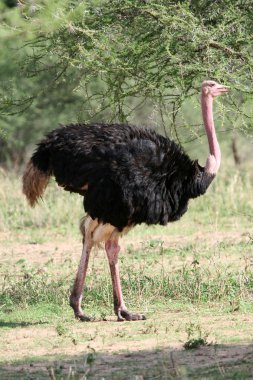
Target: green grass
[
  {"x": 193, "y": 280},
  {"x": 26, "y": 284}
]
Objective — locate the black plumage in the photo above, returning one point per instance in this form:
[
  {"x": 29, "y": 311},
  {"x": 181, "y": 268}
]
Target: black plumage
[{"x": 126, "y": 174}]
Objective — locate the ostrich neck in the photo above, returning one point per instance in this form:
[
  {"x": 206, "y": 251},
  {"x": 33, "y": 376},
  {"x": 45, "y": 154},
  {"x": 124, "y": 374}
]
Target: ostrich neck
[{"x": 214, "y": 159}]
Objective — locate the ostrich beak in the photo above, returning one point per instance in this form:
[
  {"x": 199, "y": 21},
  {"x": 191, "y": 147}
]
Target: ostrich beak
[{"x": 223, "y": 89}]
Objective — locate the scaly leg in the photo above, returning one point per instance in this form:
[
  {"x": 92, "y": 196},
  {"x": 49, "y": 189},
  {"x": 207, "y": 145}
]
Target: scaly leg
[
  {"x": 77, "y": 292},
  {"x": 112, "y": 249}
]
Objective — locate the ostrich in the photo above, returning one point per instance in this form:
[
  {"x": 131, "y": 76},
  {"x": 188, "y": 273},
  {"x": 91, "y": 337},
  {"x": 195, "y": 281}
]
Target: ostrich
[{"x": 127, "y": 176}]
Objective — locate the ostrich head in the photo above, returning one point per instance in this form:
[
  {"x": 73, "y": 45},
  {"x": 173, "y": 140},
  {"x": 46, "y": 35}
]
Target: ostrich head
[{"x": 210, "y": 87}]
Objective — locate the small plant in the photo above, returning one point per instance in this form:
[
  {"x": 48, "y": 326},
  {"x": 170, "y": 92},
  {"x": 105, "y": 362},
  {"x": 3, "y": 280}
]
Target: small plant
[
  {"x": 150, "y": 329},
  {"x": 61, "y": 330},
  {"x": 90, "y": 357},
  {"x": 194, "y": 343},
  {"x": 234, "y": 305},
  {"x": 154, "y": 244},
  {"x": 120, "y": 333},
  {"x": 64, "y": 332},
  {"x": 195, "y": 337}
]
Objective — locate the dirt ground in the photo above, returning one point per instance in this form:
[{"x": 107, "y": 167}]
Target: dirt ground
[{"x": 59, "y": 250}]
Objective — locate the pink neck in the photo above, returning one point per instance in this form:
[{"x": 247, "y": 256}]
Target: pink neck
[{"x": 214, "y": 159}]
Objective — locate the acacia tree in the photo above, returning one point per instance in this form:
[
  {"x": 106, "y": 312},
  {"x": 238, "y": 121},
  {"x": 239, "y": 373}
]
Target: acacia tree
[{"x": 116, "y": 55}]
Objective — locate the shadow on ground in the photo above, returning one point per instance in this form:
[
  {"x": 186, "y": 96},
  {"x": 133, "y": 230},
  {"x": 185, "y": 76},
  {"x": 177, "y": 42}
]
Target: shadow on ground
[
  {"x": 20, "y": 324},
  {"x": 207, "y": 362}
]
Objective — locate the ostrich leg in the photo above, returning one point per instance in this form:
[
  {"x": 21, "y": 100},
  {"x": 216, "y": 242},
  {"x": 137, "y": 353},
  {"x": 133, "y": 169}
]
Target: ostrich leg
[
  {"x": 77, "y": 292},
  {"x": 112, "y": 250}
]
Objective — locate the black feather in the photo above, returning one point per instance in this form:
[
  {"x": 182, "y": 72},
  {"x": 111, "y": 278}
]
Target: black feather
[{"x": 133, "y": 175}]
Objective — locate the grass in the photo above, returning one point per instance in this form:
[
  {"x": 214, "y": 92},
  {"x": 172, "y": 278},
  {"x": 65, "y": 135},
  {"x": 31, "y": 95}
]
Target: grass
[
  {"x": 193, "y": 279},
  {"x": 191, "y": 283}
]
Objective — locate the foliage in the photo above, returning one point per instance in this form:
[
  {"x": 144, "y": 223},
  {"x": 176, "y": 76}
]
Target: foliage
[
  {"x": 16, "y": 93},
  {"x": 195, "y": 337},
  {"x": 106, "y": 60}
]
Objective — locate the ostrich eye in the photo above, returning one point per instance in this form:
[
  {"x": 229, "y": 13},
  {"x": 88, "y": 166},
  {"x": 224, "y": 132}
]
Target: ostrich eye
[{"x": 212, "y": 84}]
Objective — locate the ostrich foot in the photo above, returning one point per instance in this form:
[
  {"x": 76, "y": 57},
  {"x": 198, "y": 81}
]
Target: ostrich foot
[
  {"x": 79, "y": 314},
  {"x": 124, "y": 315},
  {"x": 84, "y": 318}
]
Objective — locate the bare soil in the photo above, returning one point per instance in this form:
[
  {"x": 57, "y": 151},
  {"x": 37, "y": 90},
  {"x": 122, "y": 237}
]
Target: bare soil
[{"x": 60, "y": 249}]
